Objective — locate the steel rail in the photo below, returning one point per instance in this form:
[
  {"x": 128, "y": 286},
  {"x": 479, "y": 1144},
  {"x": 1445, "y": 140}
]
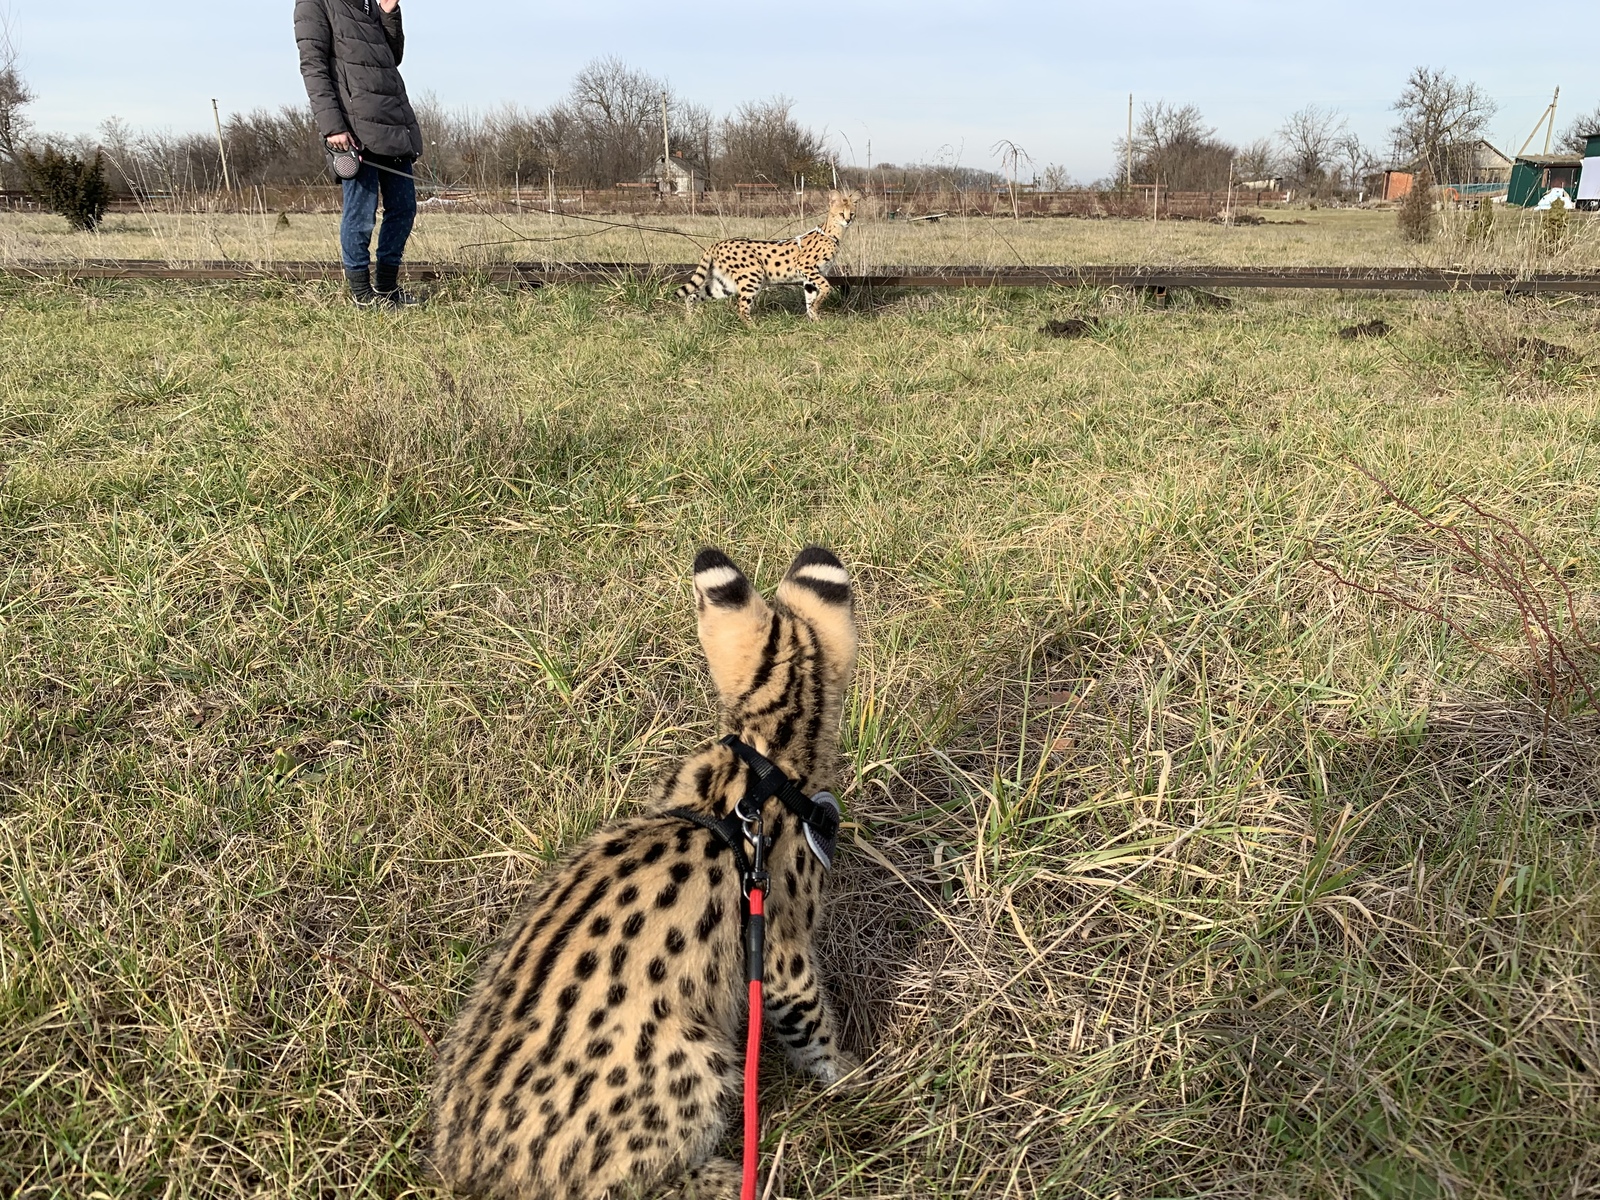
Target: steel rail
[{"x": 535, "y": 274}]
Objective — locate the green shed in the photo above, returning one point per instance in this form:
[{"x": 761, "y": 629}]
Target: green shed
[{"x": 1533, "y": 175}]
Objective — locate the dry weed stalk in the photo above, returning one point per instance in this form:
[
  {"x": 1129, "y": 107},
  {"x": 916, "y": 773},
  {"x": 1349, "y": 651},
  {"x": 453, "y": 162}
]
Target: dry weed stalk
[{"x": 1507, "y": 558}]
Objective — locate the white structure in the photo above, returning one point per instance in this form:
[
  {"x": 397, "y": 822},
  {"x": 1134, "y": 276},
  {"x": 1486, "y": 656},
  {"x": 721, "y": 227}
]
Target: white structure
[
  {"x": 675, "y": 176},
  {"x": 1589, "y": 180}
]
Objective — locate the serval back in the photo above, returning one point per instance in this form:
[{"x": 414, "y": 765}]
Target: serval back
[
  {"x": 602, "y": 1042},
  {"x": 743, "y": 266}
]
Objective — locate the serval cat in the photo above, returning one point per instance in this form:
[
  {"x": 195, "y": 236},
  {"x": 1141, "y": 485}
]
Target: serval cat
[
  {"x": 602, "y": 1041},
  {"x": 743, "y": 266}
]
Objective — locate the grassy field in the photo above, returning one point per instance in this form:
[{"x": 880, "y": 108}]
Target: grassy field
[
  {"x": 1175, "y": 868},
  {"x": 1293, "y": 237}
]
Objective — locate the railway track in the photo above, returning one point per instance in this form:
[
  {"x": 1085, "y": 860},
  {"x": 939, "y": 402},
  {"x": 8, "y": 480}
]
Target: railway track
[{"x": 531, "y": 274}]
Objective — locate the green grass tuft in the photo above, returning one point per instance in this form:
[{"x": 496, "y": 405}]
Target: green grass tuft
[{"x": 1174, "y": 868}]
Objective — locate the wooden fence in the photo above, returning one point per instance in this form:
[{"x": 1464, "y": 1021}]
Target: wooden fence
[{"x": 890, "y": 203}]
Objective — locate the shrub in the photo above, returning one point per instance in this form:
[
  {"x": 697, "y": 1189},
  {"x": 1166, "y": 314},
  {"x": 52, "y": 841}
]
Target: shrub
[
  {"x": 1480, "y": 227},
  {"x": 1416, "y": 209},
  {"x": 1555, "y": 226},
  {"x": 74, "y": 187}
]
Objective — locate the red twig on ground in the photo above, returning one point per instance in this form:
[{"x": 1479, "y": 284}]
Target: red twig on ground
[{"x": 406, "y": 1010}]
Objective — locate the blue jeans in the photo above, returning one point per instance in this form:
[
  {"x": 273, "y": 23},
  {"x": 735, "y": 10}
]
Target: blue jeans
[{"x": 399, "y": 192}]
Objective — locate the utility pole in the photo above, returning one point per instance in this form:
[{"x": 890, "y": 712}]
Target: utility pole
[
  {"x": 1549, "y": 116},
  {"x": 222, "y": 149},
  {"x": 1130, "y": 142},
  {"x": 666, "y": 139}
]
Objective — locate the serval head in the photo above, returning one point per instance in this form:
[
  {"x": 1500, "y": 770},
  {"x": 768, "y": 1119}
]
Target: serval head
[
  {"x": 780, "y": 670},
  {"x": 841, "y": 211}
]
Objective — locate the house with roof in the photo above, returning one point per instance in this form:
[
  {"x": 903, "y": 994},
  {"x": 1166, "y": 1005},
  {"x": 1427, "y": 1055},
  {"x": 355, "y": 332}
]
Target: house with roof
[{"x": 675, "y": 176}]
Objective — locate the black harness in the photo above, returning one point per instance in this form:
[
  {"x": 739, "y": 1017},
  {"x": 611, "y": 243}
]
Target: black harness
[{"x": 818, "y": 816}]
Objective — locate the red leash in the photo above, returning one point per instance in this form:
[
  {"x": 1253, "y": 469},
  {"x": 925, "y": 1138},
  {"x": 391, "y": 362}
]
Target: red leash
[{"x": 755, "y": 936}]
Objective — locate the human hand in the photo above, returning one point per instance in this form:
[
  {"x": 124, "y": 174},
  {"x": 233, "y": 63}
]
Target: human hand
[
  {"x": 388, "y": 5},
  {"x": 343, "y": 141}
]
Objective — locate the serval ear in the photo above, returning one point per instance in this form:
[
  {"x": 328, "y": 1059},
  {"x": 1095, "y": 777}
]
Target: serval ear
[
  {"x": 817, "y": 589},
  {"x": 736, "y": 626}
]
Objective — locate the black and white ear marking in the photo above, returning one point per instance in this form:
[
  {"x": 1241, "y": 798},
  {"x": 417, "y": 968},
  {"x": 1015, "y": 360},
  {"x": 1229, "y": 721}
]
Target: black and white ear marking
[
  {"x": 717, "y": 581},
  {"x": 821, "y": 573}
]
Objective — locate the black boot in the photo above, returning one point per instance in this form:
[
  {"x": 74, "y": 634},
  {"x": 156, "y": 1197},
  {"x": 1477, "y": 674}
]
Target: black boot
[
  {"x": 360, "y": 281},
  {"x": 386, "y": 283}
]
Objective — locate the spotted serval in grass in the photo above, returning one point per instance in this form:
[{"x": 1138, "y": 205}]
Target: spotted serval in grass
[
  {"x": 743, "y": 266},
  {"x": 602, "y": 1042}
]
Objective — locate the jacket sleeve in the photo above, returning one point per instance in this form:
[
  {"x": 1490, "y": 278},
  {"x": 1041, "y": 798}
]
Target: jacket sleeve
[
  {"x": 314, "y": 35},
  {"x": 394, "y": 31}
]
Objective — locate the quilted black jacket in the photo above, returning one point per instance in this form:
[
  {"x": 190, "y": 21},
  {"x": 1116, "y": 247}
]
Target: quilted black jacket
[{"x": 350, "y": 53}]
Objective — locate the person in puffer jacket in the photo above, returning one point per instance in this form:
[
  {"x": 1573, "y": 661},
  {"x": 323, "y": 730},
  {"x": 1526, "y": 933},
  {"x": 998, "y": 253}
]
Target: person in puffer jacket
[{"x": 350, "y": 52}]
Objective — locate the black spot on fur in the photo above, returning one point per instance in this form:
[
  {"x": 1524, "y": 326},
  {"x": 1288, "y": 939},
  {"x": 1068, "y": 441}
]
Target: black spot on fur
[
  {"x": 683, "y": 1087},
  {"x": 588, "y": 963},
  {"x": 709, "y": 920},
  {"x": 632, "y": 926},
  {"x": 657, "y": 970},
  {"x": 675, "y": 941}
]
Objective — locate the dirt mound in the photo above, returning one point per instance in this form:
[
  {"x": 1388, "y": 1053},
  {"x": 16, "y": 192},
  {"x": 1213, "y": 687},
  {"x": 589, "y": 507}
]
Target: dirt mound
[
  {"x": 1372, "y": 329},
  {"x": 1071, "y": 327}
]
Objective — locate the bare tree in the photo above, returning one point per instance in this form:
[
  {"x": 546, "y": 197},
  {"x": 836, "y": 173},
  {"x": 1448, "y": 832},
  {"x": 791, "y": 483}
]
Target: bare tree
[
  {"x": 1055, "y": 178},
  {"x": 1258, "y": 160},
  {"x": 1439, "y": 118},
  {"x": 1310, "y": 140},
  {"x": 1174, "y": 147},
  {"x": 1355, "y": 161},
  {"x": 763, "y": 143},
  {"x": 15, "y": 95},
  {"x": 1575, "y": 138}
]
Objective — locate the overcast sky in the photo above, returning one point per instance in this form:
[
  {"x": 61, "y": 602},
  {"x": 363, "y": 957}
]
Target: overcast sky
[{"x": 922, "y": 80}]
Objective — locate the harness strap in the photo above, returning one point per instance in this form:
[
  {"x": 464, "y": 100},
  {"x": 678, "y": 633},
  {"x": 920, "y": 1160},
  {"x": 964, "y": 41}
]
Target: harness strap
[
  {"x": 729, "y": 830},
  {"x": 767, "y": 780}
]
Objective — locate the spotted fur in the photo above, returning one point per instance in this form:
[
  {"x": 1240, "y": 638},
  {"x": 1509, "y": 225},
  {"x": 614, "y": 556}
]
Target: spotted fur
[
  {"x": 600, "y": 1048},
  {"x": 743, "y": 266}
]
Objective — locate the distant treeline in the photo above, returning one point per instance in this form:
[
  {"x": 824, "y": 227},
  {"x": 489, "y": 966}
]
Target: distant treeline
[
  {"x": 1440, "y": 125},
  {"x": 608, "y": 130}
]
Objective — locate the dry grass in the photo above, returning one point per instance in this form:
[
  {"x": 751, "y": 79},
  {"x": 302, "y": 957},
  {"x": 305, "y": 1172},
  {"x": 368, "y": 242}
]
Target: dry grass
[
  {"x": 1294, "y": 237},
  {"x": 1175, "y": 868}
]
